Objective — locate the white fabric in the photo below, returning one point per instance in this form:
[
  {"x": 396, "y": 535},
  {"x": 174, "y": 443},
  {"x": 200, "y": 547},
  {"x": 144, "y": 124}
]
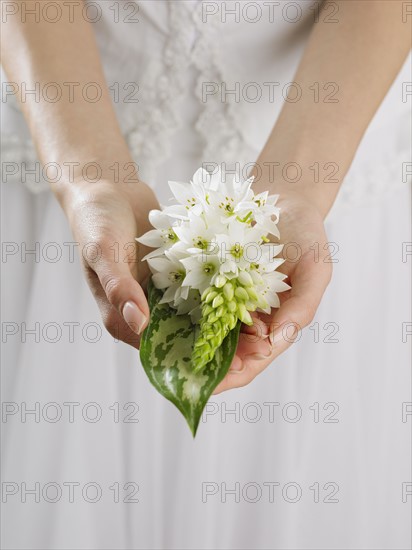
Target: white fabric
[
  {"x": 174, "y": 48},
  {"x": 366, "y": 373}
]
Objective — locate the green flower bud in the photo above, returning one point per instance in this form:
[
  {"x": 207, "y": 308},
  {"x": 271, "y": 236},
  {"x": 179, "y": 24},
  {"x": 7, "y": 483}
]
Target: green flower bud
[
  {"x": 241, "y": 294},
  {"x": 232, "y": 306},
  {"x": 252, "y": 293},
  {"x": 232, "y": 320},
  {"x": 220, "y": 281},
  {"x": 217, "y": 301},
  {"x": 210, "y": 296},
  {"x": 261, "y": 302},
  {"x": 245, "y": 279},
  {"x": 226, "y": 318},
  {"x": 215, "y": 344},
  {"x": 244, "y": 315},
  {"x": 214, "y": 328},
  {"x": 248, "y": 319},
  {"x": 205, "y": 293},
  {"x": 220, "y": 311},
  {"x": 250, "y": 306},
  {"x": 228, "y": 291},
  {"x": 207, "y": 310},
  {"x": 256, "y": 277},
  {"x": 223, "y": 305}
]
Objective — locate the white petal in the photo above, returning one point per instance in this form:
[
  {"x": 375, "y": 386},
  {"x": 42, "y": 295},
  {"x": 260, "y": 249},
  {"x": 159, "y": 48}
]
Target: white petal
[
  {"x": 184, "y": 292},
  {"x": 169, "y": 295},
  {"x": 215, "y": 182},
  {"x": 184, "y": 233},
  {"x": 159, "y": 219},
  {"x": 197, "y": 209},
  {"x": 192, "y": 278},
  {"x": 160, "y": 264},
  {"x": 177, "y": 211},
  {"x": 181, "y": 191},
  {"x": 201, "y": 178},
  {"x": 272, "y": 299},
  {"x": 152, "y": 238},
  {"x": 153, "y": 254},
  {"x": 161, "y": 280}
]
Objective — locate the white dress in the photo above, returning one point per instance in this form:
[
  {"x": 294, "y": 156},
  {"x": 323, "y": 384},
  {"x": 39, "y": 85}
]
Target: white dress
[{"x": 315, "y": 453}]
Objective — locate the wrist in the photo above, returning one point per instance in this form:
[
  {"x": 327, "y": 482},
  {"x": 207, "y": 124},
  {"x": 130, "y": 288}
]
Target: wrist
[
  {"x": 315, "y": 180},
  {"x": 93, "y": 177},
  {"x": 82, "y": 195}
]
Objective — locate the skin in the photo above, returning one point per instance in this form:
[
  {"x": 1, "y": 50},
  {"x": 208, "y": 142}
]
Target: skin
[
  {"x": 106, "y": 212},
  {"x": 306, "y": 132}
]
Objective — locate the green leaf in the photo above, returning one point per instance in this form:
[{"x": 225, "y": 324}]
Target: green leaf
[{"x": 165, "y": 352}]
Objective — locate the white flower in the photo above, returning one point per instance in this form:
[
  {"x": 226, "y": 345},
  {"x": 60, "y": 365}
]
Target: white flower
[
  {"x": 201, "y": 271},
  {"x": 198, "y": 232},
  {"x": 162, "y": 237},
  {"x": 228, "y": 196},
  {"x": 263, "y": 210},
  {"x": 168, "y": 273},
  {"x": 231, "y": 248},
  {"x": 212, "y": 249},
  {"x": 193, "y": 196}
]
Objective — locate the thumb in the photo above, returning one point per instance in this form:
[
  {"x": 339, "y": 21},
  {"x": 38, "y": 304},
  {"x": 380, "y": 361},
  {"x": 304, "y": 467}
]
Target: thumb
[
  {"x": 308, "y": 282},
  {"x": 123, "y": 292}
]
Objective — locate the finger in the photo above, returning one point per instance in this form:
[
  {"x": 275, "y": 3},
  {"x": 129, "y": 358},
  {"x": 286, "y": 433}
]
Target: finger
[
  {"x": 112, "y": 319},
  {"x": 308, "y": 281},
  {"x": 241, "y": 373},
  {"x": 259, "y": 329},
  {"x": 252, "y": 346},
  {"x": 122, "y": 290},
  {"x": 249, "y": 350}
]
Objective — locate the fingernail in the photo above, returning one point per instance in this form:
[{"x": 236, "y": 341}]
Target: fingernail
[
  {"x": 287, "y": 332},
  {"x": 237, "y": 365},
  {"x": 134, "y": 317}
]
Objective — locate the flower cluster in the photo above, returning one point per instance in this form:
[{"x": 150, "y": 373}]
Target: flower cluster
[{"x": 213, "y": 257}]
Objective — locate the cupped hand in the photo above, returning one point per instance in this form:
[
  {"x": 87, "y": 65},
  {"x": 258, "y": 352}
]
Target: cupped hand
[
  {"x": 309, "y": 268},
  {"x": 105, "y": 219}
]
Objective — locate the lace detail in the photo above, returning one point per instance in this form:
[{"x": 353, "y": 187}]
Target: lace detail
[
  {"x": 218, "y": 119},
  {"x": 156, "y": 123},
  {"x": 362, "y": 185},
  {"x": 191, "y": 42}
]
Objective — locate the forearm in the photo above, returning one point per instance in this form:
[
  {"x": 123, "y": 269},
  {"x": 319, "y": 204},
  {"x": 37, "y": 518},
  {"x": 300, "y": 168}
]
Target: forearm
[
  {"x": 72, "y": 131},
  {"x": 362, "y": 53}
]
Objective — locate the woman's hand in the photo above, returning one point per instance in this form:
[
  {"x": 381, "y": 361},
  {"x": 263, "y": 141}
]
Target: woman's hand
[
  {"x": 105, "y": 219},
  {"x": 323, "y": 132},
  {"x": 309, "y": 269}
]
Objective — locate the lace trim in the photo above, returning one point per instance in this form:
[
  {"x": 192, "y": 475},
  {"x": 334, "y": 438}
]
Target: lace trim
[
  {"x": 218, "y": 119},
  {"x": 218, "y": 123},
  {"x": 156, "y": 123},
  {"x": 361, "y": 185},
  {"x": 194, "y": 45}
]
